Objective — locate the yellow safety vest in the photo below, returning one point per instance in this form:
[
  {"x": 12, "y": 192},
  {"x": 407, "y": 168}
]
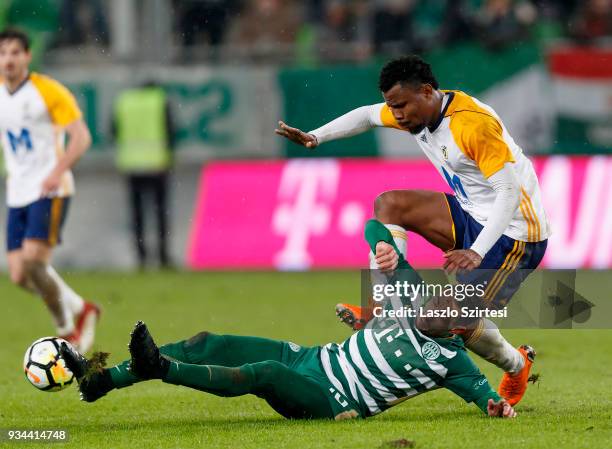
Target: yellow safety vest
[{"x": 142, "y": 137}]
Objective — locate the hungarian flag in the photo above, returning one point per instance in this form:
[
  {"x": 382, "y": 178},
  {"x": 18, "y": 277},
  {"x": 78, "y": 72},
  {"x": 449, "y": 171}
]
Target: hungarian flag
[{"x": 582, "y": 96}]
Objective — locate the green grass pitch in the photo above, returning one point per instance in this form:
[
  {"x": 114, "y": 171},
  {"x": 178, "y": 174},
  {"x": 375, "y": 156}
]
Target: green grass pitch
[{"x": 570, "y": 407}]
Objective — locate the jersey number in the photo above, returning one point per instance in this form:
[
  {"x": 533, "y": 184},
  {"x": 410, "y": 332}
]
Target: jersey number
[
  {"x": 23, "y": 139},
  {"x": 455, "y": 184}
]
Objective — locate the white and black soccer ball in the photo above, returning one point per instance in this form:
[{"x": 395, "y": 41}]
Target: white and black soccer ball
[{"x": 44, "y": 367}]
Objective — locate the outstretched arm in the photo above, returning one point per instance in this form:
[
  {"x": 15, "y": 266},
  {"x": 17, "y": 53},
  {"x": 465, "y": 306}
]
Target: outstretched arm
[
  {"x": 465, "y": 380},
  {"x": 352, "y": 123}
]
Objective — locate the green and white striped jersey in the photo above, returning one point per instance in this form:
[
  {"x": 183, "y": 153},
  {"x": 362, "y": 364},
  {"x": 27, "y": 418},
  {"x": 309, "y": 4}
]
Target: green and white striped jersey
[{"x": 390, "y": 360}]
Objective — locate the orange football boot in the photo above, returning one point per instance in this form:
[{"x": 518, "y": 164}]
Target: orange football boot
[
  {"x": 513, "y": 386},
  {"x": 353, "y": 316}
]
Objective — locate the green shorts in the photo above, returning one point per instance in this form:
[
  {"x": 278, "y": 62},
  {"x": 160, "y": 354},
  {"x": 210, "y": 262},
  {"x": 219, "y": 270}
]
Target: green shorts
[{"x": 307, "y": 362}]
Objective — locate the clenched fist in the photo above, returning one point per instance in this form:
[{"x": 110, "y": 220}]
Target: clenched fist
[{"x": 386, "y": 257}]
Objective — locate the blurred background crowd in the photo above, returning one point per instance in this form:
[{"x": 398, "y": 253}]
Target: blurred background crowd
[{"x": 305, "y": 31}]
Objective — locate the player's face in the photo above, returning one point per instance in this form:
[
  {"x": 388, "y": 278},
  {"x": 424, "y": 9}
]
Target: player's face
[
  {"x": 14, "y": 59},
  {"x": 437, "y": 326},
  {"x": 411, "y": 106}
]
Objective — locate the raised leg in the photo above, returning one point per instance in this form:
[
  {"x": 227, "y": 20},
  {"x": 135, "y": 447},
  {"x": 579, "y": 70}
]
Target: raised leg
[{"x": 421, "y": 211}]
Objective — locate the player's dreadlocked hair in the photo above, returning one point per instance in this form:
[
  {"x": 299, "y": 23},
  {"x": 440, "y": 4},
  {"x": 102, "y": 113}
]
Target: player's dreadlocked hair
[
  {"x": 411, "y": 69},
  {"x": 10, "y": 34}
]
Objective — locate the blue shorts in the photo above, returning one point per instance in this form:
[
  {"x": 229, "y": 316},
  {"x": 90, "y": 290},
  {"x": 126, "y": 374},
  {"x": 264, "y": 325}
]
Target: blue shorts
[
  {"x": 504, "y": 267},
  {"x": 40, "y": 220}
]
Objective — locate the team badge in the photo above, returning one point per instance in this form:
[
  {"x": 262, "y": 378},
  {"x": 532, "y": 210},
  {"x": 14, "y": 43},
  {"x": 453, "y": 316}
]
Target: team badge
[
  {"x": 444, "y": 152},
  {"x": 26, "y": 112},
  {"x": 431, "y": 351}
]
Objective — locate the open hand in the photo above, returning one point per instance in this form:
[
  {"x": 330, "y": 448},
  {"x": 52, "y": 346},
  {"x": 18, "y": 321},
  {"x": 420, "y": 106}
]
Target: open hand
[
  {"x": 51, "y": 184},
  {"x": 461, "y": 259},
  {"x": 296, "y": 135}
]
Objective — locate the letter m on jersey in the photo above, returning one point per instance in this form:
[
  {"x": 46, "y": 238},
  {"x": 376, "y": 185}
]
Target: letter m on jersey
[
  {"x": 455, "y": 184},
  {"x": 23, "y": 139}
]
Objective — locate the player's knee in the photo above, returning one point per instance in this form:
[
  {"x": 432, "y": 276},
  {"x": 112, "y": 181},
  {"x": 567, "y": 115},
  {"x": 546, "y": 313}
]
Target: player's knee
[
  {"x": 203, "y": 346},
  {"x": 397, "y": 207},
  {"x": 243, "y": 374},
  {"x": 198, "y": 339},
  {"x": 387, "y": 206},
  {"x": 268, "y": 372},
  {"x": 18, "y": 277}
]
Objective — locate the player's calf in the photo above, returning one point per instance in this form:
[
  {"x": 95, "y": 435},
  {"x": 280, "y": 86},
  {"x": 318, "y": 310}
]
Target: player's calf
[
  {"x": 36, "y": 271},
  {"x": 17, "y": 273}
]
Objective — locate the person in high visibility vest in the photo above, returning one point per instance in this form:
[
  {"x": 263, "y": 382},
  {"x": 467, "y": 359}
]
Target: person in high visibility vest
[{"x": 144, "y": 134}]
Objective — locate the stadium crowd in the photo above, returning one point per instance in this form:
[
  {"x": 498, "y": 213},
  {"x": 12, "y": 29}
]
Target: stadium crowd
[{"x": 326, "y": 30}]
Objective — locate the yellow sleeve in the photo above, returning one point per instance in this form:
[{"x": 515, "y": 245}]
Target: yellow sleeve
[
  {"x": 63, "y": 108},
  {"x": 387, "y": 119},
  {"x": 480, "y": 138}
]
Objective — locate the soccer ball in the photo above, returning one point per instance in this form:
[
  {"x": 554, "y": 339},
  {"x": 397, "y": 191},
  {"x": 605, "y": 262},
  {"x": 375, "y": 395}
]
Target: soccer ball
[{"x": 44, "y": 367}]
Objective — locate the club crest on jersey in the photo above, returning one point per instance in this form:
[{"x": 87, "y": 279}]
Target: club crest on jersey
[
  {"x": 444, "y": 152},
  {"x": 26, "y": 112},
  {"x": 430, "y": 350}
]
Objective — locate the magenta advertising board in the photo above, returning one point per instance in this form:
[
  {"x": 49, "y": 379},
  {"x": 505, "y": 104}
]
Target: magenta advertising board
[{"x": 308, "y": 213}]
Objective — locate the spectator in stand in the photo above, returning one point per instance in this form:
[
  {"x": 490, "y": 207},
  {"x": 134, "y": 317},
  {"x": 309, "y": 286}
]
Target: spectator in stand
[
  {"x": 345, "y": 31},
  {"x": 457, "y": 23},
  {"x": 203, "y": 18},
  {"x": 82, "y": 22},
  {"x": 559, "y": 10},
  {"x": 267, "y": 27},
  {"x": 593, "y": 20},
  {"x": 502, "y": 22},
  {"x": 393, "y": 28}
]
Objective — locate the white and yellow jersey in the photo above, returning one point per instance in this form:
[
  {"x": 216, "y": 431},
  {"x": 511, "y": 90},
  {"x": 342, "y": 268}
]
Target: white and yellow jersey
[
  {"x": 32, "y": 122},
  {"x": 470, "y": 144}
]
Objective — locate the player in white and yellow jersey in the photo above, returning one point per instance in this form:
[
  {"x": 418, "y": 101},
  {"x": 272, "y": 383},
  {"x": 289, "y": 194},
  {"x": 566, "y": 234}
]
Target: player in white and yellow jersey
[
  {"x": 36, "y": 112},
  {"x": 494, "y": 221}
]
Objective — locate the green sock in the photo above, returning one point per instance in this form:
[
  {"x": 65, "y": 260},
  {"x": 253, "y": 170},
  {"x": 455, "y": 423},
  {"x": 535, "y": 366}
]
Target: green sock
[
  {"x": 218, "y": 380},
  {"x": 121, "y": 376},
  {"x": 375, "y": 232}
]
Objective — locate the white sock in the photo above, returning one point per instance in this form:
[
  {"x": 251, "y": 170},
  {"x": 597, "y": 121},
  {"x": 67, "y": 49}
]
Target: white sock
[
  {"x": 489, "y": 343},
  {"x": 68, "y": 297},
  {"x": 399, "y": 237},
  {"x": 68, "y": 327}
]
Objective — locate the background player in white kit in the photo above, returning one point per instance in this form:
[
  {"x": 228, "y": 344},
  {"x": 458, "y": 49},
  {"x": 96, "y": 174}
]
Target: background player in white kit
[{"x": 36, "y": 114}]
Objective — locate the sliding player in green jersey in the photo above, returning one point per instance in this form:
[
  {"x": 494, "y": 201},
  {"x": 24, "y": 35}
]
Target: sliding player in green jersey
[{"x": 387, "y": 362}]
